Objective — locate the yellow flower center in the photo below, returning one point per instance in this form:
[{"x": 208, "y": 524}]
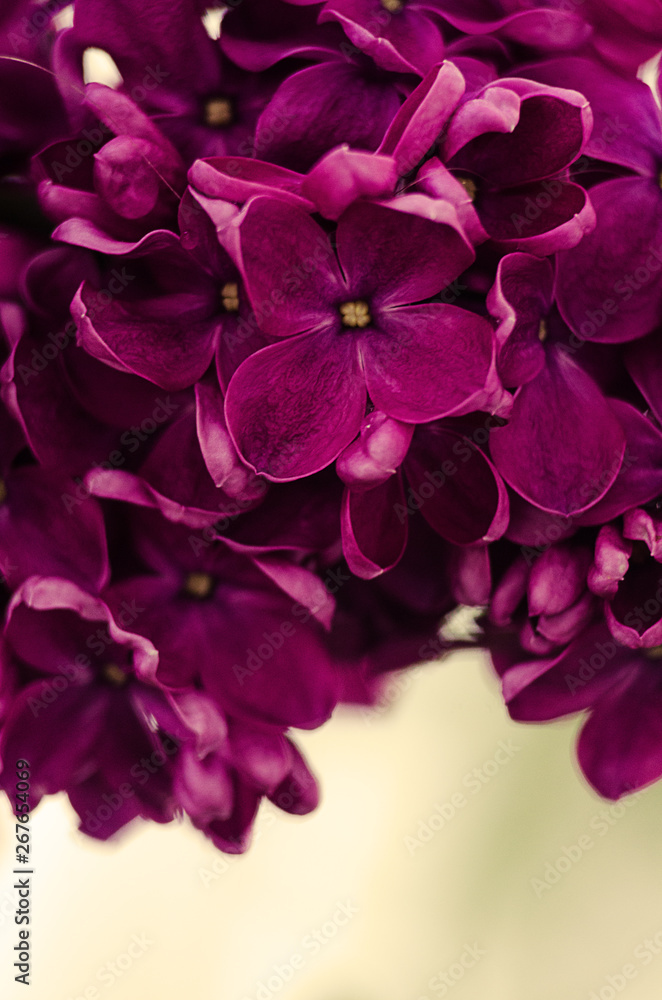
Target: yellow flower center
[
  {"x": 654, "y": 653},
  {"x": 230, "y": 297},
  {"x": 3, "y": 491},
  {"x": 198, "y": 585},
  {"x": 115, "y": 675},
  {"x": 355, "y": 314},
  {"x": 469, "y": 186},
  {"x": 219, "y": 112},
  {"x": 542, "y": 331},
  {"x": 392, "y": 5}
]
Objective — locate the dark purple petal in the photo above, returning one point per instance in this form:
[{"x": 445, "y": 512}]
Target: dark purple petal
[
  {"x": 292, "y": 407},
  {"x": 374, "y": 528},
  {"x": 562, "y": 404},
  {"x": 608, "y": 288},
  {"x": 620, "y": 747},
  {"x": 416, "y": 248},
  {"x": 289, "y": 267},
  {"x": 429, "y": 361},
  {"x": 456, "y": 488}
]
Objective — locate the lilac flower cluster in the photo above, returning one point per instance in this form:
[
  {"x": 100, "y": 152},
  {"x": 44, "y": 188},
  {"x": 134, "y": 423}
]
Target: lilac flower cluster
[{"x": 312, "y": 332}]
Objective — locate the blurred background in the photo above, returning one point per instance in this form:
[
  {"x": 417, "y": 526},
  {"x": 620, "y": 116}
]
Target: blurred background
[{"x": 455, "y": 853}]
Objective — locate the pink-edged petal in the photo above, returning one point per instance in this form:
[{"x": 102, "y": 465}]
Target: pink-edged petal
[
  {"x": 344, "y": 175},
  {"x": 225, "y": 467},
  {"x": 562, "y": 403},
  {"x": 510, "y": 157},
  {"x": 639, "y": 525},
  {"x": 539, "y": 218},
  {"x": 429, "y": 361},
  {"x": 520, "y": 297},
  {"x": 292, "y": 407},
  {"x": 436, "y": 181},
  {"x": 410, "y": 42},
  {"x": 374, "y": 528},
  {"x": 171, "y": 353},
  {"x": 611, "y": 561},
  {"x": 376, "y": 454},
  {"x": 236, "y": 178},
  {"x": 423, "y": 115}
]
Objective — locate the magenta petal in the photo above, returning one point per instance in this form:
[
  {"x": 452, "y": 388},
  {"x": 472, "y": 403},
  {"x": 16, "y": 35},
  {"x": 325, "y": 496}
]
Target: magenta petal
[
  {"x": 640, "y": 477},
  {"x": 317, "y": 108},
  {"x": 428, "y": 361},
  {"x": 620, "y": 747},
  {"x": 374, "y": 528},
  {"x": 608, "y": 288},
  {"x": 47, "y": 529},
  {"x": 344, "y": 175},
  {"x": 557, "y": 579},
  {"x": 495, "y": 111},
  {"x": 298, "y": 792},
  {"x": 408, "y": 43},
  {"x": 289, "y": 681},
  {"x": 376, "y": 454},
  {"x": 416, "y": 248},
  {"x": 173, "y": 354},
  {"x": 552, "y": 126},
  {"x": 292, "y": 407},
  {"x": 561, "y": 404},
  {"x": 520, "y": 298},
  {"x": 547, "y": 689},
  {"x": 223, "y": 463},
  {"x": 289, "y": 267},
  {"x": 612, "y": 556},
  {"x": 422, "y": 117},
  {"x": 55, "y": 762},
  {"x": 643, "y": 360},
  {"x": 540, "y": 218},
  {"x": 237, "y": 178},
  {"x": 457, "y": 489}
]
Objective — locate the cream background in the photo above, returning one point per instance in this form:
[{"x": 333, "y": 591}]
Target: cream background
[{"x": 381, "y": 774}]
